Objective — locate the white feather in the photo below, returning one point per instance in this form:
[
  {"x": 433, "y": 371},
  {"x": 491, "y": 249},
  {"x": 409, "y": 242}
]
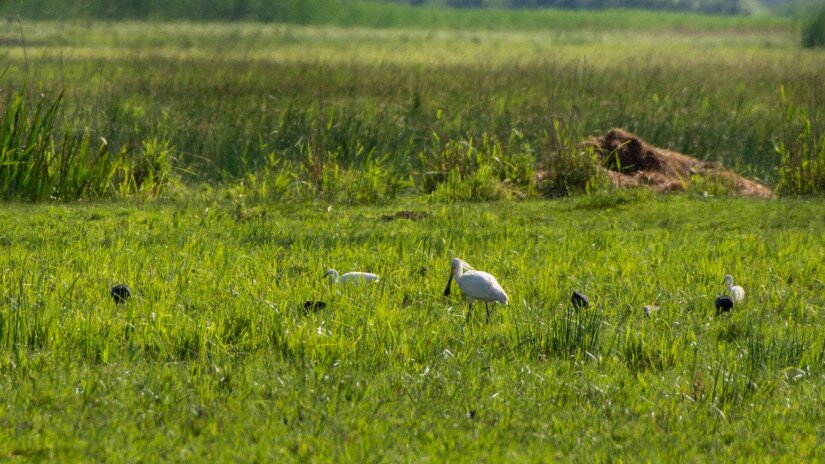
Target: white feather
[
  {"x": 351, "y": 277},
  {"x": 478, "y": 285},
  {"x": 737, "y": 292}
]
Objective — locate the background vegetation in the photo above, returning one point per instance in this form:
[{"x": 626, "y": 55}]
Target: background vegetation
[
  {"x": 304, "y": 112},
  {"x": 307, "y": 11},
  {"x": 358, "y": 13}
]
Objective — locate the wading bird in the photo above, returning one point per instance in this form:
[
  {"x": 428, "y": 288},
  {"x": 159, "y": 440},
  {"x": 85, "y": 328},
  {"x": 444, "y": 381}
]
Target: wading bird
[
  {"x": 579, "y": 300},
  {"x": 310, "y": 305},
  {"x": 477, "y": 285},
  {"x": 650, "y": 309},
  {"x": 350, "y": 277},
  {"x": 737, "y": 292},
  {"x": 724, "y": 304},
  {"x": 120, "y": 293}
]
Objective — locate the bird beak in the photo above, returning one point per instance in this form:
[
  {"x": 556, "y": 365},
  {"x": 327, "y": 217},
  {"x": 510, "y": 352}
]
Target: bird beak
[{"x": 449, "y": 281}]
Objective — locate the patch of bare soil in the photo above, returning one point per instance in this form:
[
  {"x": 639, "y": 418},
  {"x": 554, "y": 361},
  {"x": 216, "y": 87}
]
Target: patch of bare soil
[{"x": 632, "y": 162}]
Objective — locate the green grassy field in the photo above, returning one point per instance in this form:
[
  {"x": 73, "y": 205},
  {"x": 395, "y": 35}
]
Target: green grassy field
[
  {"x": 223, "y": 167},
  {"x": 320, "y": 104},
  {"x": 214, "y": 358}
]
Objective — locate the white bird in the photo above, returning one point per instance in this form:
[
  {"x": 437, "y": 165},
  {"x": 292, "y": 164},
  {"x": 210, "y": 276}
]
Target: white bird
[
  {"x": 737, "y": 292},
  {"x": 651, "y": 309},
  {"x": 477, "y": 285},
  {"x": 350, "y": 277}
]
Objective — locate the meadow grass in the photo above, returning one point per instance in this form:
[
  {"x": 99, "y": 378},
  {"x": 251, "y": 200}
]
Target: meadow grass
[
  {"x": 229, "y": 98},
  {"x": 213, "y": 357}
]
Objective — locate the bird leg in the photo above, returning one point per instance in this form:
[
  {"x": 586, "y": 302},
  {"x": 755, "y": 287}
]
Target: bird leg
[
  {"x": 469, "y": 311},
  {"x": 487, "y": 307}
]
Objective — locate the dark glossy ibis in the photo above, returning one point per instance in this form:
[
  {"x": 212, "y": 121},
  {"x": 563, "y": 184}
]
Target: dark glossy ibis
[
  {"x": 120, "y": 293},
  {"x": 310, "y": 305},
  {"x": 724, "y": 304},
  {"x": 579, "y": 300}
]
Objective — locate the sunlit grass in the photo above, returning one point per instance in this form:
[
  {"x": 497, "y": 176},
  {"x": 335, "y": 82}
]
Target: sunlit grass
[
  {"x": 213, "y": 355},
  {"x": 229, "y": 97}
]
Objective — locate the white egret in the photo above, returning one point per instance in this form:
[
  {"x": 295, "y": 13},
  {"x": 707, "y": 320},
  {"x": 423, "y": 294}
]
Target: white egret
[
  {"x": 476, "y": 285},
  {"x": 350, "y": 277},
  {"x": 737, "y": 292}
]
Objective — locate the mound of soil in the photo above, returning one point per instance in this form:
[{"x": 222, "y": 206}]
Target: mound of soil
[{"x": 632, "y": 162}]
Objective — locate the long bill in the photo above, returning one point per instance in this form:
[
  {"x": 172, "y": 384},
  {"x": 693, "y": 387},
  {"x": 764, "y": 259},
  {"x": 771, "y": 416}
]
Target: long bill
[{"x": 449, "y": 281}]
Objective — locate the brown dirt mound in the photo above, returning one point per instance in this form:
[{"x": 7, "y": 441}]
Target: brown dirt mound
[{"x": 632, "y": 162}]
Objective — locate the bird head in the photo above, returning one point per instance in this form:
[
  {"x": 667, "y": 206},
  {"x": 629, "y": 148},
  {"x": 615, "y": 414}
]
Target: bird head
[
  {"x": 332, "y": 273},
  {"x": 456, "y": 264},
  {"x": 728, "y": 280}
]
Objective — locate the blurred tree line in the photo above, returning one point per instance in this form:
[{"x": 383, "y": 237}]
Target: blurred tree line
[
  {"x": 704, "y": 6},
  {"x": 306, "y": 10}
]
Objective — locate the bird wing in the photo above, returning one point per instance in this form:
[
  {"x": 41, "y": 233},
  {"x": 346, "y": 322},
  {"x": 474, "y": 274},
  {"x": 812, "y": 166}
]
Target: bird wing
[
  {"x": 738, "y": 293},
  {"x": 482, "y": 286}
]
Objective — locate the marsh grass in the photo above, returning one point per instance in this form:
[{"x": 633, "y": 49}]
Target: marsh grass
[
  {"x": 215, "y": 348},
  {"x": 38, "y": 161},
  {"x": 475, "y": 117}
]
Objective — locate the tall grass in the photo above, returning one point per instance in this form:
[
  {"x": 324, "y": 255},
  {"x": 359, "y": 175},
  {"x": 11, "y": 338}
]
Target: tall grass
[
  {"x": 801, "y": 148},
  {"x": 39, "y": 161},
  {"x": 293, "y": 110}
]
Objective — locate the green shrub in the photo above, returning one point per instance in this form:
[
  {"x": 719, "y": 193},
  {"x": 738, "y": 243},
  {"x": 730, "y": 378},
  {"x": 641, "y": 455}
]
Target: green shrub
[
  {"x": 566, "y": 168},
  {"x": 813, "y": 34}
]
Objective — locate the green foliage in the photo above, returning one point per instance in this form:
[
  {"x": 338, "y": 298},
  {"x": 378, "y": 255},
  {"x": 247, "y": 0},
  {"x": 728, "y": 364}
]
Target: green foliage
[
  {"x": 39, "y": 161},
  {"x": 567, "y": 168},
  {"x": 813, "y": 33},
  {"x": 801, "y": 152},
  {"x": 214, "y": 358},
  {"x": 435, "y": 123}
]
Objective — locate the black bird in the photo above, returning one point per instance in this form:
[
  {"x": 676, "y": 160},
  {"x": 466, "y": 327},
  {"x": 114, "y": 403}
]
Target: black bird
[
  {"x": 579, "y": 300},
  {"x": 120, "y": 293},
  {"x": 723, "y": 304},
  {"x": 310, "y": 305}
]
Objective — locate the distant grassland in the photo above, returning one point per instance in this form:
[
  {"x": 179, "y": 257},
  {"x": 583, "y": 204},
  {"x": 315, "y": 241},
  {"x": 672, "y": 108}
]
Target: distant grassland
[
  {"x": 270, "y": 105},
  {"x": 356, "y": 13}
]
